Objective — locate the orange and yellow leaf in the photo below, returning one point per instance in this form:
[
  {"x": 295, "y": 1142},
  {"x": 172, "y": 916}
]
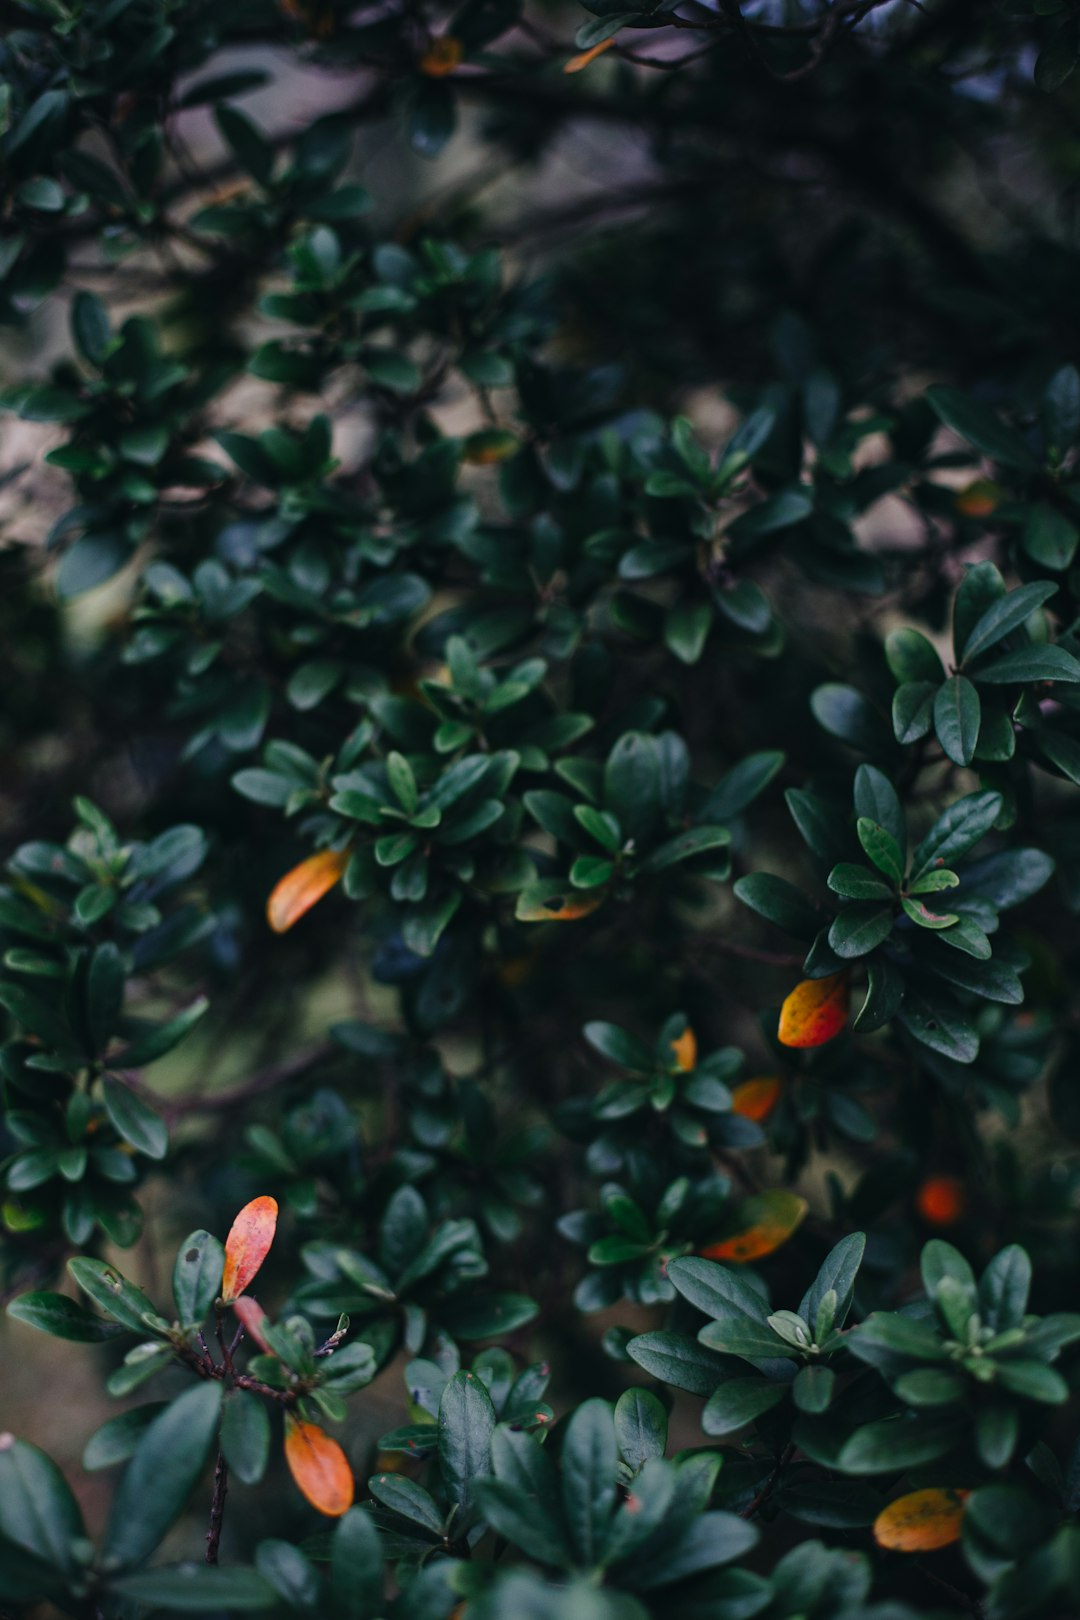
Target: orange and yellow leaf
[
  {"x": 576, "y": 63},
  {"x": 552, "y": 902},
  {"x": 814, "y": 1012},
  {"x": 941, "y": 1200},
  {"x": 298, "y": 890},
  {"x": 759, "y": 1225},
  {"x": 979, "y": 499},
  {"x": 319, "y": 1467},
  {"x": 684, "y": 1050},
  {"x": 247, "y": 1245},
  {"x": 442, "y": 56},
  {"x": 756, "y": 1099},
  {"x": 921, "y": 1522}
]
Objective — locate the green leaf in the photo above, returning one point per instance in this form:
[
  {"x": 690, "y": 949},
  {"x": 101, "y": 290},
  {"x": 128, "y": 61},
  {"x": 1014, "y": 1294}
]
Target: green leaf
[
  {"x": 117, "y": 1297},
  {"x": 167, "y": 1461},
  {"x": 718, "y": 1291},
  {"x": 640, "y": 1427},
  {"x": 779, "y": 902},
  {"x": 1033, "y": 663},
  {"x": 980, "y": 426},
  {"x": 160, "y": 1040},
  {"x": 684, "y": 847},
  {"x": 1050, "y": 538},
  {"x": 892, "y": 1446},
  {"x": 620, "y": 1046},
  {"x": 134, "y": 1119},
  {"x": 860, "y": 928},
  {"x": 466, "y": 1424},
  {"x": 197, "y": 1588},
  {"x": 1005, "y": 615},
  {"x": 956, "y": 831},
  {"x": 957, "y": 714},
  {"x": 245, "y": 1435},
  {"x": 738, "y": 1402},
  {"x": 356, "y": 1568},
  {"x": 882, "y": 847},
  {"x": 913, "y": 710},
  {"x": 679, "y": 1361},
  {"x": 90, "y": 327},
  {"x": 884, "y": 993},
  {"x": 877, "y": 800},
  {"x": 856, "y": 882},
  {"x": 196, "y": 1280},
  {"x": 589, "y": 1460},
  {"x": 37, "y": 1510},
  {"x": 116, "y": 1439},
  {"x": 911, "y": 657},
  {"x": 409, "y": 1501},
  {"x": 62, "y": 1317}
]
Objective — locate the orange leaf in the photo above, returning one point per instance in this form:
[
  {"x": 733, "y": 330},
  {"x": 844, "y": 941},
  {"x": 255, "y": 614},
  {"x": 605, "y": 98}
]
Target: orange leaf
[
  {"x": 442, "y": 56},
  {"x": 814, "y": 1012},
  {"x": 576, "y": 63},
  {"x": 921, "y": 1521},
  {"x": 760, "y": 1225},
  {"x": 684, "y": 1050},
  {"x": 319, "y": 1467},
  {"x": 299, "y": 889},
  {"x": 756, "y": 1099},
  {"x": 252, "y": 1316},
  {"x": 979, "y": 499},
  {"x": 941, "y": 1200},
  {"x": 247, "y": 1245}
]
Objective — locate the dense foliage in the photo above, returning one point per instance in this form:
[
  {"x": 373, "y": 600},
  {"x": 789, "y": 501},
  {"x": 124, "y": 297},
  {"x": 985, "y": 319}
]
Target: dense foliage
[{"x": 541, "y": 758}]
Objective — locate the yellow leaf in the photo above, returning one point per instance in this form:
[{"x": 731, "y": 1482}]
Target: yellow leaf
[
  {"x": 319, "y": 1467},
  {"x": 921, "y": 1521},
  {"x": 814, "y": 1012},
  {"x": 756, "y": 1099},
  {"x": 248, "y": 1245},
  {"x": 759, "y": 1225},
  {"x": 576, "y": 63},
  {"x": 299, "y": 889},
  {"x": 684, "y": 1050},
  {"x": 442, "y": 56}
]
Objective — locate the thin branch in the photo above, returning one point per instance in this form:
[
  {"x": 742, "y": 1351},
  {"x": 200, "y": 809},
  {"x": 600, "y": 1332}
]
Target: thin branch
[{"x": 217, "y": 1508}]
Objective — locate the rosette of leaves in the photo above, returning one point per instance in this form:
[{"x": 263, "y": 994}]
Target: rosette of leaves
[
  {"x": 397, "y": 314},
  {"x": 632, "y": 1238},
  {"x": 479, "y": 709},
  {"x": 80, "y": 922},
  {"x": 683, "y": 497},
  {"x": 314, "y": 1148},
  {"x": 688, "y": 1093},
  {"x": 421, "y": 831},
  {"x": 613, "y": 1510},
  {"x": 134, "y": 412},
  {"x": 1034, "y": 493},
  {"x": 792, "y": 1353},
  {"x": 468, "y": 1155},
  {"x": 922, "y": 925},
  {"x": 1004, "y": 670},
  {"x": 418, "y": 1278},
  {"x": 515, "y": 1395},
  {"x": 637, "y": 815},
  {"x": 968, "y": 1366}
]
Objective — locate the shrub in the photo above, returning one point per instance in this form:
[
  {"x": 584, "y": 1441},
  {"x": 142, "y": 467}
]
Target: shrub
[{"x": 569, "y": 697}]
